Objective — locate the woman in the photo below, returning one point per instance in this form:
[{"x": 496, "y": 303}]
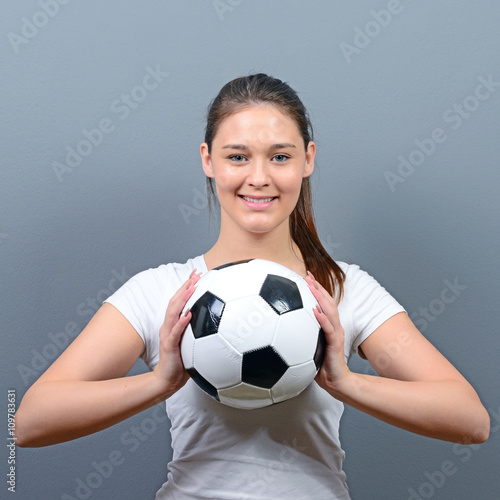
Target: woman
[{"x": 257, "y": 156}]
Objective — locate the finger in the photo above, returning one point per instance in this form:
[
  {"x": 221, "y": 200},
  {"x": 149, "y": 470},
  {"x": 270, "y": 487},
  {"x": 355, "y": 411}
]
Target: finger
[
  {"x": 320, "y": 294},
  {"x": 334, "y": 336},
  {"x": 317, "y": 284},
  {"x": 179, "y": 300},
  {"x": 324, "y": 322},
  {"x": 176, "y": 306},
  {"x": 327, "y": 304},
  {"x": 185, "y": 291},
  {"x": 175, "y": 335}
]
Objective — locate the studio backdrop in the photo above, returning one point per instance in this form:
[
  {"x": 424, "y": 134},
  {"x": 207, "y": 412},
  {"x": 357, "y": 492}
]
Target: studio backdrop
[{"x": 102, "y": 114}]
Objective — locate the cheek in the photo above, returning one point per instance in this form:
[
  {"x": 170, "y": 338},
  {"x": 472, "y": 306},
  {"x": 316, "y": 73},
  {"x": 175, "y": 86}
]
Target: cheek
[
  {"x": 291, "y": 184},
  {"x": 222, "y": 179}
]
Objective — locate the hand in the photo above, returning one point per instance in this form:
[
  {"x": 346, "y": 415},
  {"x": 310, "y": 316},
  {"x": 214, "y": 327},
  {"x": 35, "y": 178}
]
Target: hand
[
  {"x": 170, "y": 370},
  {"x": 334, "y": 368}
]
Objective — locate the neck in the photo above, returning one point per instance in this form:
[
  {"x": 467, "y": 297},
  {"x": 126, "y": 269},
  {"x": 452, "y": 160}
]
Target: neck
[{"x": 276, "y": 246}]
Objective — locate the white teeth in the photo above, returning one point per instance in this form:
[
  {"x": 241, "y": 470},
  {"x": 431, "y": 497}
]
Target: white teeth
[{"x": 254, "y": 200}]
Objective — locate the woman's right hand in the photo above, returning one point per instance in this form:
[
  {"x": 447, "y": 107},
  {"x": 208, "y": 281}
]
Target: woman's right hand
[
  {"x": 170, "y": 371},
  {"x": 89, "y": 385}
]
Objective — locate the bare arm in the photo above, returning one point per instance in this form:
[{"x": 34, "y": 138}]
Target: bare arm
[
  {"x": 419, "y": 390},
  {"x": 86, "y": 389}
]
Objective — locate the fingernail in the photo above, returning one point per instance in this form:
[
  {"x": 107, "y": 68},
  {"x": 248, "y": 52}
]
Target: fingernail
[
  {"x": 186, "y": 313},
  {"x": 313, "y": 279}
]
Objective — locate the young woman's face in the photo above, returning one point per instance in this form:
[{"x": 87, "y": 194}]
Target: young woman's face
[{"x": 258, "y": 162}]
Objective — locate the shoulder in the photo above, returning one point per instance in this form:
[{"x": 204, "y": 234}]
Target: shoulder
[
  {"x": 148, "y": 290},
  {"x": 172, "y": 274},
  {"x": 355, "y": 277},
  {"x": 360, "y": 287}
]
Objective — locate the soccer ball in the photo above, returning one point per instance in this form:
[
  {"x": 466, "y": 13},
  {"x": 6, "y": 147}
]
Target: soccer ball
[{"x": 253, "y": 339}]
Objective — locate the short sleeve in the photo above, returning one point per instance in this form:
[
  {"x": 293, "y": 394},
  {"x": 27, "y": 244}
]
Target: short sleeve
[
  {"x": 140, "y": 300},
  {"x": 367, "y": 305}
]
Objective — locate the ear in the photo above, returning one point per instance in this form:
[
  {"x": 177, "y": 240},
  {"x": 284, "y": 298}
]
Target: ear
[
  {"x": 206, "y": 160},
  {"x": 310, "y": 155}
]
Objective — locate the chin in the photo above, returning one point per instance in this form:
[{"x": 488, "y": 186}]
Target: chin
[{"x": 261, "y": 228}]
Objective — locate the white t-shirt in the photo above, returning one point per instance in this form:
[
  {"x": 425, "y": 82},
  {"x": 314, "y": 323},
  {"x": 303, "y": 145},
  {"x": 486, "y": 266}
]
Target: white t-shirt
[{"x": 290, "y": 450}]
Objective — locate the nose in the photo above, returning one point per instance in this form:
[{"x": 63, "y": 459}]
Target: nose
[{"x": 258, "y": 174}]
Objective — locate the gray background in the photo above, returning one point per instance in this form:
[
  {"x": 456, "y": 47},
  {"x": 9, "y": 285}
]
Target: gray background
[{"x": 64, "y": 237}]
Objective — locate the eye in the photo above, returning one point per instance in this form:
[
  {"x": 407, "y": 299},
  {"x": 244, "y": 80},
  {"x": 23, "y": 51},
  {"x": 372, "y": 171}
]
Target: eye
[
  {"x": 280, "y": 158},
  {"x": 237, "y": 158}
]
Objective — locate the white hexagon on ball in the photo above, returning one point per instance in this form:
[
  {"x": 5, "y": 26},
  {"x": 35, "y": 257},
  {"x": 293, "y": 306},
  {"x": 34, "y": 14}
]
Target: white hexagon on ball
[
  {"x": 294, "y": 381},
  {"x": 296, "y": 349},
  {"x": 248, "y": 323},
  {"x": 235, "y": 282},
  {"x": 217, "y": 361}
]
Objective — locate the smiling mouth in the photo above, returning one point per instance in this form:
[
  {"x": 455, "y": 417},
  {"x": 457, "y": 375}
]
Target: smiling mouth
[{"x": 258, "y": 200}]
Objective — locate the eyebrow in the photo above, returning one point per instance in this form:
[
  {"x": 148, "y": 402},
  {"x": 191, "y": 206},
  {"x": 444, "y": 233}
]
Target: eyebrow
[{"x": 273, "y": 146}]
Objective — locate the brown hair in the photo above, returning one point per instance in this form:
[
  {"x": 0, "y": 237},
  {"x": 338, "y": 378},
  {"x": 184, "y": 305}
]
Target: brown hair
[{"x": 263, "y": 89}]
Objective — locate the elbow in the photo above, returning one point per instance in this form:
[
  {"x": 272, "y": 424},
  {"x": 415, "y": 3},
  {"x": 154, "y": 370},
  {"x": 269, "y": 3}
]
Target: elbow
[
  {"x": 21, "y": 436},
  {"x": 479, "y": 431},
  {"x": 23, "y": 432}
]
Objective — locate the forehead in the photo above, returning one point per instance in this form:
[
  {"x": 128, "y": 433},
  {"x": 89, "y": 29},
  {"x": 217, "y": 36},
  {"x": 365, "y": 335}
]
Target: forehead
[{"x": 258, "y": 123}]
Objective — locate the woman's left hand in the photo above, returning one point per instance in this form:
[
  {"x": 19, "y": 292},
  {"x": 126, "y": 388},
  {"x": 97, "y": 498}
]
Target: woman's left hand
[
  {"x": 419, "y": 391},
  {"x": 334, "y": 369}
]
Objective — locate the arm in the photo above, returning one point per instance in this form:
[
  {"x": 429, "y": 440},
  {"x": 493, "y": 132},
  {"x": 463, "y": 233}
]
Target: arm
[
  {"x": 419, "y": 390},
  {"x": 86, "y": 389}
]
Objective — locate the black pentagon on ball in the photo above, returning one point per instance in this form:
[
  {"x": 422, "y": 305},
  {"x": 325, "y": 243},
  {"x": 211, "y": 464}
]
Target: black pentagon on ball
[
  {"x": 229, "y": 264},
  {"x": 203, "y": 383},
  {"x": 262, "y": 367},
  {"x": 281, "y": 294},
  {"x": 320, "y": 349},
  {"x": 206, "y": 315}
]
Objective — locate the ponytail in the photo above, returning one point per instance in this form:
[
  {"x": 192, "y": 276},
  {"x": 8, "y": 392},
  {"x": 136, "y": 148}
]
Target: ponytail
[{"x": 316, "y": 258}]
